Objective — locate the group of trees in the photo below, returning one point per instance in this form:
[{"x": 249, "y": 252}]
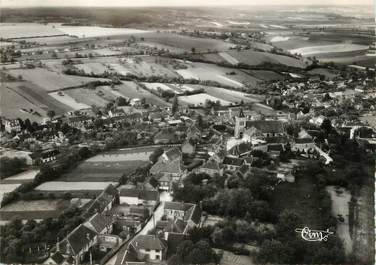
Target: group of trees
[
  {"x": 10, "y": 166},
  {"x": 18, "y": 239},
  {"x": 189, "y": 252}
]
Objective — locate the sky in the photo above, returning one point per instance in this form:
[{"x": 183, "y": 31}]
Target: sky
[{"x": 133, "y": 3}]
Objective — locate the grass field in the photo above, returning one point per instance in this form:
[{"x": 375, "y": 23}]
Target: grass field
[
  {"x": 73, "y": 186},
  {"x": 6, "y": 188},
  {"x": 24, "y": 30},
  {"x": 256, "y": 58},
  {"x": 65, "y": 99},
  {"x": 98, "y": 97},
  {"x": 93, "y": 31},
  {"x": 200, "y": 99},
  {"x": 231, "y": 95},
  {"x": 298, "y": 196},
  {"x": 325, "y": 49},
  {"x": 186, "y": 43},
  {"x": 35, "y": 209},
  {"x": 50, "y": 80}
]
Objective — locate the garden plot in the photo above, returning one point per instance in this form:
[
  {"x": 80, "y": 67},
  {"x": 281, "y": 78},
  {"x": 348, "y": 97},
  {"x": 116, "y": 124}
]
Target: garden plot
[
  {"x": 68, "y": 100},
  {"x": 94, "y": 31},
  {"x": 187, "y": 74},
  {"x": 121, "y": 69},
  {"x": 200, "y": 99},
  {"x": 73, "y": 186},
  {"x": 50, "y": 80},
  {"x": 265, "y": 75}
]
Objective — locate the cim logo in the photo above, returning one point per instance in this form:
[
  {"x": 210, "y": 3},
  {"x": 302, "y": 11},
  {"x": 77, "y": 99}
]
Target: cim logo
[{"x": 314, "y": 235}]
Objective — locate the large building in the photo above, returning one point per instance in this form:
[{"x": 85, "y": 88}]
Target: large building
[{"x": 262, "y": 128}]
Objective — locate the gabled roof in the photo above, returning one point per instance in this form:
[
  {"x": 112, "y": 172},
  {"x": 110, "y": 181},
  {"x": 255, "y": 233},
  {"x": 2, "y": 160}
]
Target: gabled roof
[
  {"x": 173, "y": 153},
  {"x": 80, "y": 238},
  {"x": 275, "y": 147},
  {"x": 178, "y": 206},
  {"x": 233, "y": 161},
  {"x": 173, "y": 167},
  {"x": 148, "y": 195},
  {"x": 98, "y": 222},
  {"x": 266, "y": 126},
  {"x": 211, "y": 164},
  {"x": 148, "y": 242},
  {"x": 57, "y": 258}
]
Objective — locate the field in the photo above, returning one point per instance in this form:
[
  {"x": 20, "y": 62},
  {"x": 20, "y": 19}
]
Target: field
[
  {"x": 231, "y": 95},
  {"x": 50, "y": 80},
  {"x": 73, "y": 186},
  {"x": 25, "y": 176},
  {"x": 225, "y": 76},
  {"x": 324, "y": 49},
  {"x": 110, "y": 166},
  {"x": 132, "y": 90},
  {"x": 265, "y": 75},
  {"x": 6, "y": 188},
  {"x": 24, "y": 30},
  {"x": 256, "y": 58},
  {"x": 98, "y": 97},
  {"x": 298, "y": 196},
  {"x": 69, "y": 101},
  {"x": 200, "y": 99},
  {"x": 35, "y": 209},
  {"x": 92, "y": 31},
  {"x": 186, "y": 43}
]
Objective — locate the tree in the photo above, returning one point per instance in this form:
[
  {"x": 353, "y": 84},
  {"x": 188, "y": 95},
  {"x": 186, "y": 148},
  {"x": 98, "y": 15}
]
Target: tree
[
  {"x": 288, "y": 221},
  {"x": 326, "y": 125},
  {"x": 273, "y": 251},
  {"x": 51, "y": 114},
  {"x": 156, "y": 154},
  {"x": 193, "y": 49},
  {"x": 175, "y": 105}
]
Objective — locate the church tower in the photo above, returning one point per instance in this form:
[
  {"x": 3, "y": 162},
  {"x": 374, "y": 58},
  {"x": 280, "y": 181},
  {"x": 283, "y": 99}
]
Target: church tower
[{"x": 240, "y": 124}]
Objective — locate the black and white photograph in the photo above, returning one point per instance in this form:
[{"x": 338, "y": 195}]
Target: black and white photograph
[{"x": 187, "y": 132}]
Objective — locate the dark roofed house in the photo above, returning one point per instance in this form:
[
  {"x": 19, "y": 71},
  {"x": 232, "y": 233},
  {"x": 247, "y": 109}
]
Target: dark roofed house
[
  {"x": 104, "y": 201},
  {"x": 55, "y": 259},
  {"x": 232, "y": 163},
  {"x": 267, "y": 128},
  {"x": 211, "y": 167},
  {"x": 78, "y": 243},
  {"x": 100, "y": 224},
  {"x": 275, "y": 149},
  {"x": 149, "y": 247},
  {"x": 134, "y": 196}
]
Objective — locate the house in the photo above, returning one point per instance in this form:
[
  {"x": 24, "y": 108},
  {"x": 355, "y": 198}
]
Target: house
[
  {"x": 80, "y": 122},
  {"x": 232, "y": 163},
  {"x": 275, "y": 149},
  {"x": 164, "y": 182},
  {"x": 45, "y": 156},
  {"x": 149, "y": 247},
  {"x": 171, "y": 154},
  {"x": 116, "y": 112},
  {"x": 211, "y": 167},
  {"x": 189, "y": 213},
  {"x": 57, "y": 259},
  {"x": 302, "y": 145},
  {"x": 165, "y": 136},
  {"x": 12, "y": 126},
  {"x": 100, "y": 224},
  {"x": 242, "y": 149},
  {"x": 135, "y": 196},
  {"x": 264, "y": 128},
  {"x": 156, "y": 116},
  {"x": 193, "y": 133},
  {"x": 78, "y": 243},
  {"x": 104, "y": 201},
  {"x": 170, "y": 169}
]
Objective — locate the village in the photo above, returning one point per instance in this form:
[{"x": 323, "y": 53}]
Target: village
[{"x": 175, "y": 146}]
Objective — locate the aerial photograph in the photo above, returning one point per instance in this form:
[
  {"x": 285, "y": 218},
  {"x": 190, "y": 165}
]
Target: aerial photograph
[{"x": 187, "y": 132}]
